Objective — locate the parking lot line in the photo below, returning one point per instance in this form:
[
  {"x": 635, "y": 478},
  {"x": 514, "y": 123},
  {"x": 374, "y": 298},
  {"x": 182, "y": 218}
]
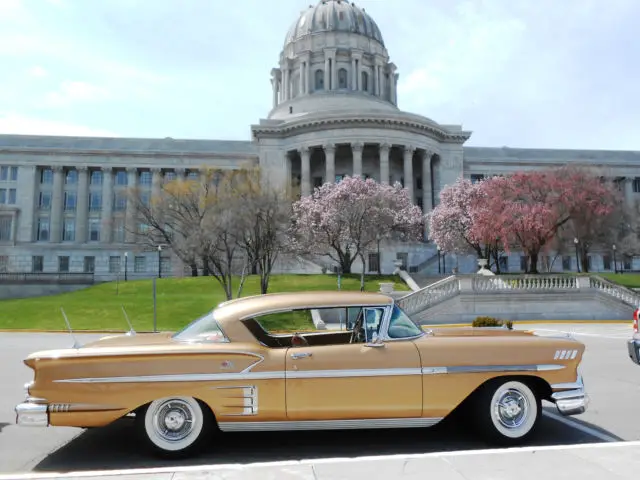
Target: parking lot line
[{"x": 578, "y": 426}]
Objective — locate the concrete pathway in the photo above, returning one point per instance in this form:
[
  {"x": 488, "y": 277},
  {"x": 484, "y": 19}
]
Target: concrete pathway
[{"x": 619, "y": 460}]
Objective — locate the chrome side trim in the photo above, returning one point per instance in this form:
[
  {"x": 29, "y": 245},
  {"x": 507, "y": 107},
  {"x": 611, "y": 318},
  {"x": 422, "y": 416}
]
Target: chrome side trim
[
  {"x": 382, "y": 372},
  {"x": 102, "y": 352},
  {"x": 293, "y": 374},
  {"x": 248, "y": 396},
  {"x": 188, "y": 377},
  {"x": 290, "y": 425}
]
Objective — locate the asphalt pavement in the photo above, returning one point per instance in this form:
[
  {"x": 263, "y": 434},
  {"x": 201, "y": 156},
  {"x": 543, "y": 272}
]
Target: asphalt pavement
[{"x": 612, "y": 380}]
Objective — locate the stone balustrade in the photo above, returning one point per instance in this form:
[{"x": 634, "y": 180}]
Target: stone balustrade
[{"x": 454, "y": 285}]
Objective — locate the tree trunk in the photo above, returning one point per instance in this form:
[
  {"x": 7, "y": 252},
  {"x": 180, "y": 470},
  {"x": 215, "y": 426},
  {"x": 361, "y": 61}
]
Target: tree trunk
[
  {"x": 533, "y": 257},
  {"x": 362, "y": 273},
  {"x": 194, "y": 270},
  {"x": 584, "y": 259}
]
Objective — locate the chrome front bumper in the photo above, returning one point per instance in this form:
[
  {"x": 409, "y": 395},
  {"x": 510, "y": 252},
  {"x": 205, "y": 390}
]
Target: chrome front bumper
[
  {"x": 570, "y": 398},
  {"x": 31, "y": 414}
]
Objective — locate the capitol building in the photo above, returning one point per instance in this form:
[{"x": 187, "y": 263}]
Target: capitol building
[{"x": 335, "y": 112}]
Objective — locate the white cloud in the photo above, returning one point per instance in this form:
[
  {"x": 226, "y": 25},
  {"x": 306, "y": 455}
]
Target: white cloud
[
  {"x": 38, "y": 71},
  {"x": 12, "y": 123},
  {"x": 75, "y": 91}
]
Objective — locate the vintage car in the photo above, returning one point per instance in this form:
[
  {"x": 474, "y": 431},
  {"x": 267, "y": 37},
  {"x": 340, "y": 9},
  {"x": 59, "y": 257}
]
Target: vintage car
[
  {"x": 633, "y": 344},
  {"x": 226, "y": 372}
]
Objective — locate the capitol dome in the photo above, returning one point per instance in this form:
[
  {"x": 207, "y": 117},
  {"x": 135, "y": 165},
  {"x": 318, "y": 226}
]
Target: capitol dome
[{"x": 334, "y": 16}]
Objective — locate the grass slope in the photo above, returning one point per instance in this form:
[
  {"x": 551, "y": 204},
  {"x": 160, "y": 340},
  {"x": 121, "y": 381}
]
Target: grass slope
[
  {"x": 630, "y": 280},
  {"x": 179, "y": 301}
]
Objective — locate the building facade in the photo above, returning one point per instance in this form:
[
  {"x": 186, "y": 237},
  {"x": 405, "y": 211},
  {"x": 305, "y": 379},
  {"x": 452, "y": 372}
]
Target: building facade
[{"x": 63, "y": 205}]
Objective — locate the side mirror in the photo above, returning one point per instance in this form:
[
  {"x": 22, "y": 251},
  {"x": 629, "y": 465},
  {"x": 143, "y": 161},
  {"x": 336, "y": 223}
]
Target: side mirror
[{"x": 376, "y": 341}]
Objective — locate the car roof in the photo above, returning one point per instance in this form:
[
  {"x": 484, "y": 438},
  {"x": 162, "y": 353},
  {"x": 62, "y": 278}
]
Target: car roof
[{"x": 229, "y": 313}]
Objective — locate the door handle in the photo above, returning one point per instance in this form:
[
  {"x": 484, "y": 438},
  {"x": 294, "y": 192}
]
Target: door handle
[{"x": 296, "y": 356}]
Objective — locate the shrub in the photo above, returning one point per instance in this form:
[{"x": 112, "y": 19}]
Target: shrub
[{"x": 492, "y": 322}]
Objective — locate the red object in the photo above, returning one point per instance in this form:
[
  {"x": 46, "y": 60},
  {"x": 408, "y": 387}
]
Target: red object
[{"x": 635, "y": 320}]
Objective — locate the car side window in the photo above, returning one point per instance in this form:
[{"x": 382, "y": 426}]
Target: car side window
[
  {"x": 401, "y": 326},
  {"x": 372, "y": 322}
]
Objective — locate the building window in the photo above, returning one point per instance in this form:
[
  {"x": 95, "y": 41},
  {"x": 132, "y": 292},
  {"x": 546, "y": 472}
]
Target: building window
[
  {"x": 14, "y": 174},
  {"x": 4, "y": 263},
  {"x": 121, "y": 177},
  {"x": 4, "y": 174},
  {"x": 365, "y": 82},
  {"x": 37, "y": 263},
  {"x": 3, "y": 196},
  {"x": 46, "y": 176},
  {"x": 69, "y": 230},
  {"x": 524, "y": 263},
  {"x": 89, "y": 265},
  {"x": 589, "y": 262},
  {"x": 627, "y": 262},
  {"x": 636, "y": 184},
  {"x": 404, "y": 258},
  {"x": 8, "y": 174},
  {"x": 95, "y": 201},
  {"x": 43, "y": 229},
  {"x": 71, "y": 178},
  {"x": 114, "y": 264},
  {"x": 119, "y": 202},
  {"x": 63, "y": 264},
  {"x": 70, "y": 200},
  {"x": 606, "y": 261},
  {"x": 165, "y": 265},
  {"x": 193, "y": 176},
  {"x": 169, "y": 176},
  {"x": 140, "y": 264},
  {"x": 374, "y": 262},
  {"x": 145, "y": 178},
  {"x": 44, "y": 203},
  {"x": 319, "y": 80},
  {"x": 6, "y": 227},
  {"x": 342, "y": 78},
  {"x": 118, "y": 231},
  {"x": 476, "y": 177},
  {"x": 96, "y": 177},
  {"x": 94, "y": 230},
  {"x": 503, "y": 261},
  {"x": 566, "y": 262}
]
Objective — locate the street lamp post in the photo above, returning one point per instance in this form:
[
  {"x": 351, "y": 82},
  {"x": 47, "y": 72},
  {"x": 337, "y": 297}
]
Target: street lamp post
[
  {"x": 444, "y": 262},
  {"x": 126, "y": 257},
  {"x": 159, "y": 261},
  {"x": 615, "y": 263},
  {"x": 439, "y": 267},
  {"x": 575, "y": 242}
]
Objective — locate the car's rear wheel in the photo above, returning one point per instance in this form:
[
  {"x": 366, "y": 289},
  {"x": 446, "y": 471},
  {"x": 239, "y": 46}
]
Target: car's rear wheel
[
  {"x": 176, "y": 426},
  {"x": 507, "y": 411}
]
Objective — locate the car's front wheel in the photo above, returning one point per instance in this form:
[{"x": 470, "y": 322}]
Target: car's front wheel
[
  {"x": 176, "y": 426},
  {"x": 507, "y": 411}
]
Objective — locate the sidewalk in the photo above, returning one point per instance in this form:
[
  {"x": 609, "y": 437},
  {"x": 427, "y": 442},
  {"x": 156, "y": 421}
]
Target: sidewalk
[{"x": 617, "y": 460}]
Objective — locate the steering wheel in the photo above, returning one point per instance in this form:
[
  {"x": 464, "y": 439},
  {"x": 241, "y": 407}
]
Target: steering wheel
[{"x": 357, "y": 333}]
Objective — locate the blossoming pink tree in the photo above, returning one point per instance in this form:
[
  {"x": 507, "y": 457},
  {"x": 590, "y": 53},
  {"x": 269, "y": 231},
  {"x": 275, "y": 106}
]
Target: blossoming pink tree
[
  {"x": 526, "y": 209},
  {"x": 451, "y": 222},
  {"x": 343, "y": 220}
]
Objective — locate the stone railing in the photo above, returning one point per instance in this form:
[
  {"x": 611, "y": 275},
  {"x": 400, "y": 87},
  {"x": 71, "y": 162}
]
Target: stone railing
[
  {"x": 623, "y": 294},
  {"x": 431, "y": 295},
  {"x": 454, "y": 285},
  {"x": 15, "y": 278}
]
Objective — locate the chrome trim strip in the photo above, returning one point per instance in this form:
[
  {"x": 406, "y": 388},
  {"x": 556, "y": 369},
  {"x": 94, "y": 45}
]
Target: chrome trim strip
[
  {"x": 290, "y": 425},
  {"x": 346, "y": 373}
]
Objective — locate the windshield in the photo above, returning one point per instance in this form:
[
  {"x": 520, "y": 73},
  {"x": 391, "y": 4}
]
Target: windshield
[{"x": 204, "y": 329}]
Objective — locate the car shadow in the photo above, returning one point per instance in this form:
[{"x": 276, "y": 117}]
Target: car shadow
[
  {"x": 2, "y": 425},
  {"x": 115, "y": 446}
]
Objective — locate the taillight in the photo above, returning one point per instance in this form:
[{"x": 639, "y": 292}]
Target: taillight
[{"x": 635, "y": 320}]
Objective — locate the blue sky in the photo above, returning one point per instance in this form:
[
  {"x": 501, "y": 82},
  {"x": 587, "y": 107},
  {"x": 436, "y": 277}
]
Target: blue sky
[{"x": 520, "y": 73}]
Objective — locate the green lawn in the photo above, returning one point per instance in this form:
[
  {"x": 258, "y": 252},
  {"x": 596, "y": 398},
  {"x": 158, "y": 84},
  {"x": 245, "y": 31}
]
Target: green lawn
[
  {"x": 178, "y": 302},
  {"x": 631, "y": 280}
]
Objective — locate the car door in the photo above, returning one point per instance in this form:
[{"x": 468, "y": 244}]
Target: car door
[{"x": 356, "y": 380}]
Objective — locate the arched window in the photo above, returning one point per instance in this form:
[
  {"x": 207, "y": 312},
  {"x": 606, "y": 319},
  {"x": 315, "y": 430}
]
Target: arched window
[
  {"x": 365, "y": 82},
  {"x": 319, "y": 80},
  {"x": 342, "y": 78}
]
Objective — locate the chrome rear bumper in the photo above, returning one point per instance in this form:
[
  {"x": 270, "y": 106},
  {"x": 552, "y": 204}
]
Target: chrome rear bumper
[
  {"x": 570, "y": 398},
  {"x": 32, "y": 414}
]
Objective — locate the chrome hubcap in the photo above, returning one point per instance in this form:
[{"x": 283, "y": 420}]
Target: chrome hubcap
[
  {"x": 512, "y": 408},
  {"x": 173, "y": 420}
]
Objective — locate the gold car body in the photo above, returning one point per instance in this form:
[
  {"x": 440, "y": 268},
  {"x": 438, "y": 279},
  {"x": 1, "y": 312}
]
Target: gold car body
[{"x": 252, "y": 380}]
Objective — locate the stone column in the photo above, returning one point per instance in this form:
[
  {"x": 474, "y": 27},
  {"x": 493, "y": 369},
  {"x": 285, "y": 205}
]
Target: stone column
[
  {"x": 287, "y": 83},
  {"x": 274, "y": 86},
  {"x": 305, "y": 167},
  {"x": 356, "y": 150},
  {"x": 385, "y": 149},
  {"x": 392, "y": 79},
  {"x": 383, "y": 84},
  {"x": 426, "y": 181},
  {"x": 57, "y": 197},
  {"x": 301, "y": 79},
  {"x": 374, "y": 74},
  {"x": 327, "y": 71},
  {"x": 330, "y": 160},
  {"x": 308, "y": 75},
  {"x": 107, "y": 205},
  {"x": 82, "y": 210},
  {"x": 628, "y": 191},
  {"x": 156, "y": 184},
  {"x": 130, "y": 214},
  {"x": 408, "y": 170},
  {"x": 354, "y": 74}
]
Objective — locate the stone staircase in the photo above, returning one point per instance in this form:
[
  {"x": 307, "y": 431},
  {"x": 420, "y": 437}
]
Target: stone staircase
[{"x": 461, "y": 298}]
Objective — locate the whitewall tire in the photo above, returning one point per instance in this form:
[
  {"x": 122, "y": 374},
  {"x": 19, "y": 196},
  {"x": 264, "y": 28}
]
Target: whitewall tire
[
  {"x": 175, "y": 426},
  {"x": 507, "y": 411}
]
